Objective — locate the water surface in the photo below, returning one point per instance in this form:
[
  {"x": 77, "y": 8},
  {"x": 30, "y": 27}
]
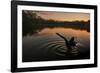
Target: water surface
[{"x": 45, "y": 45}]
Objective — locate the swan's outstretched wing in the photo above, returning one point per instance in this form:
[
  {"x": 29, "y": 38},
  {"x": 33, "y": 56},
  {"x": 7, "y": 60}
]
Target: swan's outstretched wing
[{"x": 62, "y": 37}]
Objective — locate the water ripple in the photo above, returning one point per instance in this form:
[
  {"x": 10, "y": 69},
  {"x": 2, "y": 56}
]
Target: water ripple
[{"x": 59, "y": 48}]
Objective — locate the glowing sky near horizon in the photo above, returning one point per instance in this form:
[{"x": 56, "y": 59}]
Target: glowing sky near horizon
[{"x": 63, "y": 16}]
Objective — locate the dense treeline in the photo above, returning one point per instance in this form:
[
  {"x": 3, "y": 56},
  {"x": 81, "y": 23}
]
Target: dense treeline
[{"x": 32, "y": 23}]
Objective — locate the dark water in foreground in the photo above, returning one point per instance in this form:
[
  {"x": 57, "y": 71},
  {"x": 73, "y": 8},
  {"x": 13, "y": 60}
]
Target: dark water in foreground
[{"x": 47, "y": 46}]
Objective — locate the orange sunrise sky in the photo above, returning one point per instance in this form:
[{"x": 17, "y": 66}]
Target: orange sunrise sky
[{"x": 63, "y": 16}]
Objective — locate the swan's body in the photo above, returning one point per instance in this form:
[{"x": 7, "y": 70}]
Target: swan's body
[{"x": 69, "y": 44}]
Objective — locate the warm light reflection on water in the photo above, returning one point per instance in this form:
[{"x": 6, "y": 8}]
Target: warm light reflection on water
[
  {"x": 46, "y": 45},
  {"x": 68, "y": 32}
]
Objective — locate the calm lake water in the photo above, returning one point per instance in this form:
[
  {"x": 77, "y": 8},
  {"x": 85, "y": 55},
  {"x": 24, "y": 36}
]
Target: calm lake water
[{"x": 46, "y": 45}]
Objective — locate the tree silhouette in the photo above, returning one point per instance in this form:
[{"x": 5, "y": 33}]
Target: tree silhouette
[{"x": 32, "y": 23}]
